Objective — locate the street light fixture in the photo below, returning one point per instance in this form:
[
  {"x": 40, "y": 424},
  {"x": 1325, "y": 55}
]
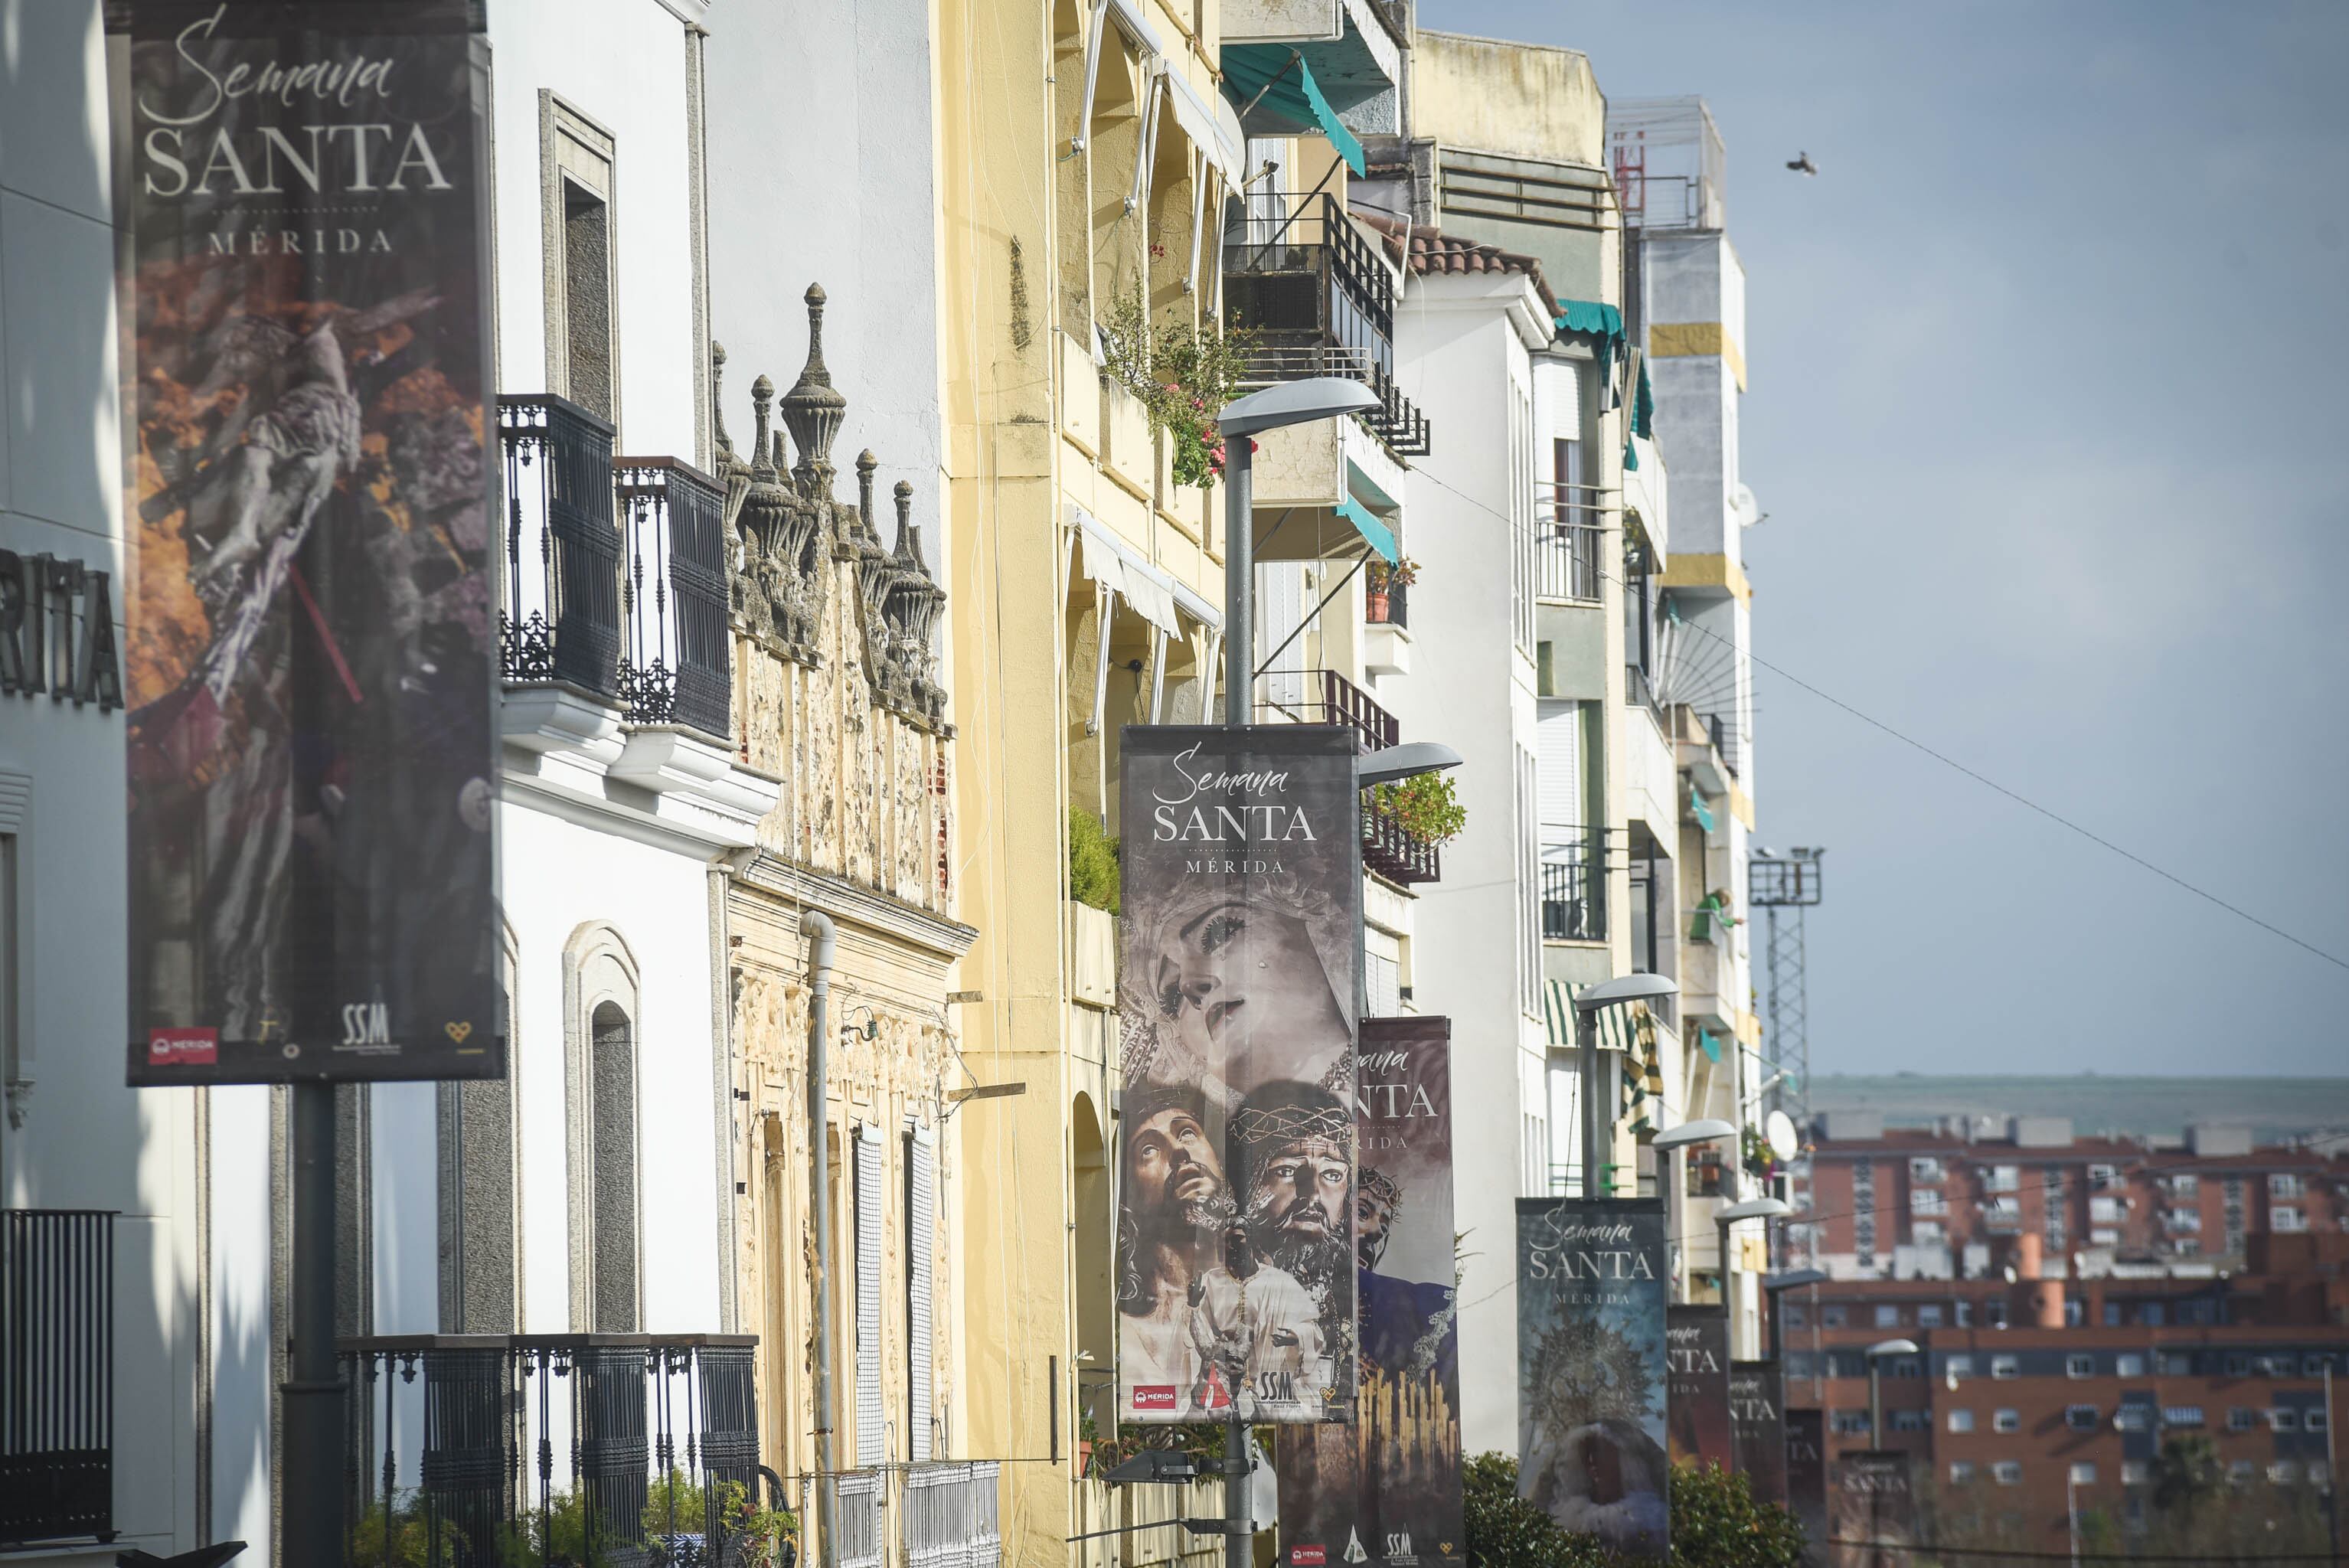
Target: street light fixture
[
  {"x": 1876, "y": 1355},
  {"x": 1587, "y": 1006},
  {"x": 1404, "y": 760},
  {"x": 1704, "y": 1129},
  {"x": 1791, "y": 1279},
  {"x": 1290, "y": 403}
]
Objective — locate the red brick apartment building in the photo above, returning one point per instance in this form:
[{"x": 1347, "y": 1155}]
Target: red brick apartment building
[
  {"x": 2044, "y": 1377},
  {"x": 1896, "y": 1200}
]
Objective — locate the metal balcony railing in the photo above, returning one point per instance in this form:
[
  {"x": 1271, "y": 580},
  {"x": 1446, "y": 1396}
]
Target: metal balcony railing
[
  {"x": 1390, "y": 607},
  {"x": 656, "y": 1431},
  {"x": 1393, "y": 851},
  {"x": 951, "y": 1516},
  {"x": 1325, "y": 696},
  {"x": 1566, "y": 557},
  {"x": 1574, "y": 889},
  {"x": 676, "y": 665},
  {"x": 1397, "y": 423},
  {"x": 561, "y": 620},
  {"x": 1296, "y": 262},
  {"x": 57, "y": 1374}
]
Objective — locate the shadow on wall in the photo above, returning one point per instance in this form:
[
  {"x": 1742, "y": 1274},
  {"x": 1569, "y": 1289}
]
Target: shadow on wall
[{"x": 58, "y": 415}]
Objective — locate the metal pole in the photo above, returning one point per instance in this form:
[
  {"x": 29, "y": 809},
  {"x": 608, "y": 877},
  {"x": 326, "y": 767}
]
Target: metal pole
[
  {"x": 312, "y": 1391},
  {"x": 1585, "y": 1038},
  {"x": 1239, "y": 1533},
  {"x": 2072, "y": 1513},
  {"x": 1675, "y": 1246},
  {"x": 1239, "y": 581},
  {"x": 817, "y": 926},
  {"x": 2332, "y": 1477},
  {"x": 1876, "y": 1403}
]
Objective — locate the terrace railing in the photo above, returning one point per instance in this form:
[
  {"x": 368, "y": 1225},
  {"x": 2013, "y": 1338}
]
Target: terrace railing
[
  {"x": 562, "y": 552},
  {"x": 676, "y": 667},
  {"x": 57, "y": 1374}
]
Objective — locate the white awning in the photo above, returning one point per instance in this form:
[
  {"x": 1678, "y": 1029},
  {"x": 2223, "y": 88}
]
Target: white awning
[
  {"x": 1223, "y": 146},
  {"x": 1153, "y": 595}
]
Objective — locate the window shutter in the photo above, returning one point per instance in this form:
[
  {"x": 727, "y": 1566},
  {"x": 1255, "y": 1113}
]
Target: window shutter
[
  {"x": 921, "y": 1235},
  {"x": 1560, "y": 734},
  {"x": 871, "y": 1439},
  {"x": 1280, "y": 610}
]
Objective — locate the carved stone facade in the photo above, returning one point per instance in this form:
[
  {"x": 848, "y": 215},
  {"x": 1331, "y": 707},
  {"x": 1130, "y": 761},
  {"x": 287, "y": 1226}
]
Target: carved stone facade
[{"x": 836, "y": 686}]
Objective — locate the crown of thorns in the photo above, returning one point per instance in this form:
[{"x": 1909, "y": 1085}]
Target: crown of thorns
[
  {"x": 1289, "y": 1123},
  {"x": 1378, "y": 1184}
]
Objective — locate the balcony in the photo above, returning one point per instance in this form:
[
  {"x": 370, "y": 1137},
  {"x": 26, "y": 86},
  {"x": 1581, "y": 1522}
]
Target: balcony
[
  {"x": 470, "y": 1476},
  {"x": 1386, "y": 631},
  {"x": 1570, "y": 533},
  {"x": 1302, "y": 278},
  {"x": 1325, "y": 696},
  {"x": 1574, "y": 889},
  {"x": 57, "y": 1374},
  {"x": 615, "y": 570}
]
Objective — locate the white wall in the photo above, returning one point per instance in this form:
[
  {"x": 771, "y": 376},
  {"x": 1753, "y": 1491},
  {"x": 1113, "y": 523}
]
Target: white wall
[
  {"x": 88, "y": 1140},
  {"x": 1469, "y": 688},
  {"x": 821, "y": 149}
]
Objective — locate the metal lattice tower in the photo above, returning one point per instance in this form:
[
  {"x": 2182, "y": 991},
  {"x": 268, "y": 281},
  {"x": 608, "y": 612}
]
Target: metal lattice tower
[{"x": 1784, "y": 888}]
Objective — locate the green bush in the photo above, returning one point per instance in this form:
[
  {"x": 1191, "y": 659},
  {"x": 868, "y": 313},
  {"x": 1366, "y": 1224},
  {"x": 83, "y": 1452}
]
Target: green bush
[
  {"x": 1427, "y": 805},
  {"x": 1092, "y": 861},
  {"x": 1717, "y": 1522},
  {"x": 410, "y": 1537}
]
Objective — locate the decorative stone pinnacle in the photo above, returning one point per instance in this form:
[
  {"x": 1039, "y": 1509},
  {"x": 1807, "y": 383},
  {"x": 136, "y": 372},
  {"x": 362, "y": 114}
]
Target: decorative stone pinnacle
[
  {"x": 762, "y": 392},
  {"x": 717, "y": 396},
  {"x": 866, "y": 463},
  {"x": 813, "y": 409},
  {"x": 909, "y": 538}
]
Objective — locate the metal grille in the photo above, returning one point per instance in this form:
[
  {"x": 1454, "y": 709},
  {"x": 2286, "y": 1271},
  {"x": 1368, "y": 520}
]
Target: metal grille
[
  {"x": 921, "y": 1225},
  {"x": 952, "y": 1516},
  {"x": 56, "y": 1374},
  {"x": 857, "y": 1519},
  {"x": 677, "y": 666}
]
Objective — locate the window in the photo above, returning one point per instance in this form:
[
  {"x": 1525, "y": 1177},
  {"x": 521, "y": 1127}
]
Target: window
[
  {"x": 1798, "y": 1363},
  {"x": 2314, "y": 1365},
  {"x": 2153, "y": 1314},
  {"x": 2003, "y": 1367},
  {"x": 1924, "y": 1170},
  {"x": 2176, "y": 1364},
  {"x": 1927, "y": 1201},
  {"x": 1958, "y": 1366},
  {"x": 580, "y": 240},
  {"x": 1887, "y": 1318},
  {"x": 2127, "y": 1365},
  {"x": 1796, "y": 1315},
  {"x": 2273, "y": 1366},
  {"x": 2283, "y": 1472},
  {"x": 2075, "y": 1312},
  {"x": 2284, "y": 1185},
  {"x": 2106, "y": 1211},
  {"x": 615, "y": 1178},
  {"x": 2007, "y": 1472},
  {"x": 600, "y": 984},
  {"x": 1832, "y": 1317},
  {"x": 1904, "y": 1366},
  {"x": 2132, "y": 1417},
  {"x": 2079, "y": 1366},
  {"x": 2002, "y": 1178},
  {"x": 2135, "y": 1472},
  {"x": 2181, "y": 1415},
  {"x": 1961, "y": 1473},
  {"x": 2006, "y": 1421},
  {"x": 1850, "y": 1422},
  {"x": 2083, "y": 1473},
  {"x": 2112, "y": 1314},
  {"x": 2185, "y": 1185},
  {"x": 2284, "y": 1418},
  {"x": 2240, "y": 1419},
  {"x": 2239, "y": 1364},
  {"x": 1913, "y": 1421},
  {"x": 872, "y": 1422},
  {"x": 2100, "y": 1177},
  {"x": 1929, "y": 1316},
  {"x": 2186, "y": 1219},
  {"x": 1961, "y": 1420},
  {"x": 1928, "y": 1232},
  {"x": 1965, "y": 1313},
  {"x": 2287, "y": 1219},
  {"x": 2080, "y": 1418},
  {"x": 2241, "y": 1473},
  {"x": 14, "y": 788},
  {"x": 2312, "y": 1419},
  {"x": 921, "y": 1263}
]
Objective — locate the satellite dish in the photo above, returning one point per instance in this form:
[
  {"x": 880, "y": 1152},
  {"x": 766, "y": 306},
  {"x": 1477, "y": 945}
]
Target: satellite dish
[{"x": 1779, "y": 1132}]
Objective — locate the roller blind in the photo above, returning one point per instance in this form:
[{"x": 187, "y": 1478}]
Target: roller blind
[
  {"x": 921, "y": 1235},
  {"x": 871, "y": 1437},
  {"x": 1559, "y": 731}
]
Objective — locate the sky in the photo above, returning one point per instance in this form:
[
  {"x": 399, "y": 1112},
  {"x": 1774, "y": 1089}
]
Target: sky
[{"x": 2047, "y": 410}]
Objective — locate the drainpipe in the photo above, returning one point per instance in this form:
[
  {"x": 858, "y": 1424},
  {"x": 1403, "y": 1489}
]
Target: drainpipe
[{"x": 817, "y": 926}]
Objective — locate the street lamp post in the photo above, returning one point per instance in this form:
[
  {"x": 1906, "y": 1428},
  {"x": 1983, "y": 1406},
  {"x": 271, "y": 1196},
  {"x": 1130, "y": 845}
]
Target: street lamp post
[
  {"x": 1772, "y": 1284},
  {"x": 1708, "y": 1129},
  {"x": 1586, "y": 1007},
  {"x": 1764, "y": 1209},
  {"x": 1876, "y": 1355},
  {"x": 1290, "y": 403}
]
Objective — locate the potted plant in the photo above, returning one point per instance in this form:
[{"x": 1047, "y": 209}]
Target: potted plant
[
  {"x": 1088, "y": 1433},
  {"x": 1379, "y": 583},
  {"x": 1425, "y": 806},
  {"x": 1184, "y": 373}
]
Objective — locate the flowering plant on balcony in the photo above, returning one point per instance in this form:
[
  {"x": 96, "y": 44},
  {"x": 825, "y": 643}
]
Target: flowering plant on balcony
[
  {"x": 1381, "y": 578},
  {"x": 1184, "y": 373},
  {"x": 1760, "y": 1160},
  {"x": 1426, "y": 805}
]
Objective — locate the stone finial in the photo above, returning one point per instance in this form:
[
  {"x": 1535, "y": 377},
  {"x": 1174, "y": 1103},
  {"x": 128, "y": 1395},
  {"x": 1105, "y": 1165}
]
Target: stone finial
[
  {"x": 762, "y": 392},
  {"x": 867, "y": 464},
  {"x": 909, "y": 535},
  {"x": 812, "y": 409},
  {"x": 718, "y": 399}
]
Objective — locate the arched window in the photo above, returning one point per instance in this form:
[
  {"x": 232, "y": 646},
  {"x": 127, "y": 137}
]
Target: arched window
[{"x": 600, "y": 1012}]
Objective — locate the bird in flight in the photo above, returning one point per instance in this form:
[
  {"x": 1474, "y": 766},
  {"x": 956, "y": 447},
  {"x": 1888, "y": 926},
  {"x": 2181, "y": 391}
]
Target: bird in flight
[{"x": 1801, "y": 165}]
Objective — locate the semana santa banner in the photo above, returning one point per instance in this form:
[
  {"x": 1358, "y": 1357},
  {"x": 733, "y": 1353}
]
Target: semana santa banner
[
  {"x": 1242, "y": 894},
  {"x": 1591, "y": 1368},
  {"x": 1873, "y": 1501},
  {"x": 1386, "y": 1490},
  {"x": 1807, "y": 1474},
  {"x": 311, "y": 749},
  {"x": 1757, "y": 1429},
  {"x": 1697, "y": 1388}
]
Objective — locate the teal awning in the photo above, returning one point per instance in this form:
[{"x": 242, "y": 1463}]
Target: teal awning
[
  {"x": 1702, "y": 813},
  {"x": 1377, "y": 535},
  {"x": 1275, "y": 79},
  {"x": 1643, "y": 407},
  {"x": 1588, "y": 315},
  {"x": 1712, "y": 1047}
]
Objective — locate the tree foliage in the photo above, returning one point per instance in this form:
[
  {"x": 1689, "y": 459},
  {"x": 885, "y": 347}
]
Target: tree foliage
[
  {"x": 1092, "y": 861},
  {"x": 1717, "y": 1522}
]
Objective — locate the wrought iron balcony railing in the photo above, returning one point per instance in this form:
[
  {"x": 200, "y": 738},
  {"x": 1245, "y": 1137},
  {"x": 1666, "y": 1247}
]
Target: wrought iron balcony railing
[
  {"x": 1567, "y": 556},
  {"x": 563, "y": 554},
  {"x": 1397, "y": 423},
  {"x": 656, "y": 1430},
  {"x": 57, "y": 1374},
  {"x": 615, "y": 570},
  {"x": 1393, "y": 851},
  {"x": 1325, "y": 696},
  {"x": 1295, "y": 262},
  {"x": 675, "y": 669},
  {"x": 1574, "y": 888}
]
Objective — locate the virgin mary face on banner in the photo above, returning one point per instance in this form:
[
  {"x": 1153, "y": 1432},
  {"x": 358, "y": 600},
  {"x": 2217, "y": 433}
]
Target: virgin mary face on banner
[{"x": 1234, "y": 979}]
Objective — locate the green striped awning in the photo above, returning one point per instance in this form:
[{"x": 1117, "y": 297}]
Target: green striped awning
[{"x": 1616, "y": 1031}]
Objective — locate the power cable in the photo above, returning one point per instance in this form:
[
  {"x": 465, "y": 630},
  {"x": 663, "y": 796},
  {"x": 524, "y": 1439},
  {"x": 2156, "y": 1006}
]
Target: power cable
[
  {"x": 2206, "y": 1559},
  {"x": 1948, "y": 761}
]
